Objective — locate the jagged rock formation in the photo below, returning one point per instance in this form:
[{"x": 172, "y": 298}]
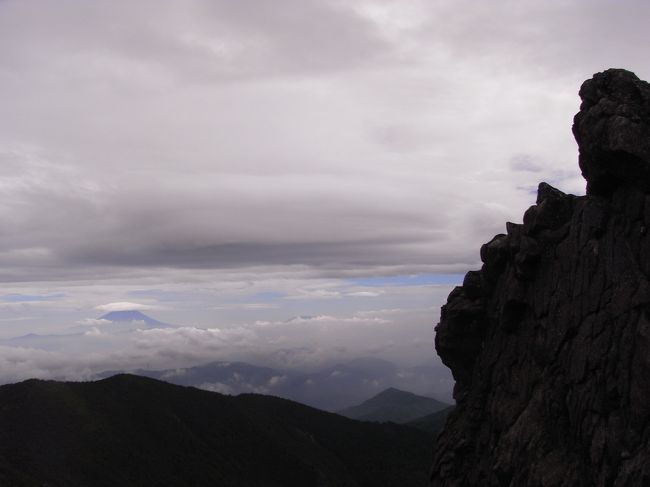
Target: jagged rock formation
[
  {"x": 549, "y": 343},
  {"x": 613, "y": 131}
]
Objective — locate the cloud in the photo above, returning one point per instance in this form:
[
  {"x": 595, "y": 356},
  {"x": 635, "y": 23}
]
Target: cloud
[
  {"x": 219, "y": 387},
  {"x": 192, "y": 155},
  {"x": 333, "y": 319},
  {"x": 237, "y": 385},
  {"x": 525, "y": 163},
  {"x": 304, "y": 293},
  {"x": 125, "y": 306},
  {"x": 26, "y": 298},
  {"x": 197, "y": 40},
  {"x": 365, "y": 294},
  {"x": 94, "y": 322},
  {"x": 379, "y": 130},
  {"x": 94, "y": 332},
  {"x": 247, "y": 306},
  {"x": 303, "y": 343}
]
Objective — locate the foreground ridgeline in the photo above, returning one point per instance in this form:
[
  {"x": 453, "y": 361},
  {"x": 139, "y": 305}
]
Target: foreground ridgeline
[
  {"x": 549, "y": 343},
  {"x": 134, "y": 431}
]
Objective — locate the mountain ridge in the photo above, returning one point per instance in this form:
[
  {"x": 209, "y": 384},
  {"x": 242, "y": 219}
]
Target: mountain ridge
[{"x": 132, "y": 431}]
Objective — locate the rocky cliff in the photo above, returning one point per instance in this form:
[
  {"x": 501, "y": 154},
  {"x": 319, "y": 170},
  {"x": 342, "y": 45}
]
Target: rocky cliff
[{"x": 549, "y": 343}]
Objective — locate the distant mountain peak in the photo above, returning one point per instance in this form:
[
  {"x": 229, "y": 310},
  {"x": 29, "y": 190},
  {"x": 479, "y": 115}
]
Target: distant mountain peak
[
  {"x": 131, "y": 316},
  {"x": 398, "y": 396},
  {"x": 394, "y": 405},
  {"x": 392, "y": 391}
]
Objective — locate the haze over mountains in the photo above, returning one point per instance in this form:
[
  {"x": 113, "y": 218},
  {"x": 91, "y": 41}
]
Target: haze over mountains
[
  {"x": 331, "y": 389},
  {"x": 132, "y": 339},
  {"x": 331, "y": 386}
]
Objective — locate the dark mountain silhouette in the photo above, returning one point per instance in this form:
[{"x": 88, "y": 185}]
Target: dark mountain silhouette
[
  {"x": 394, "y": 405},
  {"x": 549, "y": 343},
  {"x": 136, "y": 431}
]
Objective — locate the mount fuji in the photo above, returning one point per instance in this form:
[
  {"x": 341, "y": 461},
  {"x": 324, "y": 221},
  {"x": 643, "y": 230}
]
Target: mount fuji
[
  {"x": 132, "y": 316},
  {"x": 113, "y": 324}
]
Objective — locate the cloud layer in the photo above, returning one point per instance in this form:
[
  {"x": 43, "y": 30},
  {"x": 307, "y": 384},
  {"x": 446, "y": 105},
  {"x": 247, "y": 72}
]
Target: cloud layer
[
  {"x": 301, "y": 343},
  {"x": 234, "y": 162},
  {"x": 320, "y": 133}
]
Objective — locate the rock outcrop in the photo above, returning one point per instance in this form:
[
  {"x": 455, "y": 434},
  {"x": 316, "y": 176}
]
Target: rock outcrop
[{"x": 549, "y": 343}]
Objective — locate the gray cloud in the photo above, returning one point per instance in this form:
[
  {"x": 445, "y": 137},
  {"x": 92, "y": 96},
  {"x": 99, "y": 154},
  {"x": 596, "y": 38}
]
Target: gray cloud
[
  {"x": 201, "y": 154},
  {"x": 193, "y": 40},
  {"x": 548, "y": 39}
]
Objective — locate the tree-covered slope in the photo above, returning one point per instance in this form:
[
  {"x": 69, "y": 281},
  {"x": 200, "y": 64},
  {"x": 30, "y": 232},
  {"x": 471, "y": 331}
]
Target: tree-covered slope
[
  {"x": 433, "y": 423},
  {"x": 134, "y": 431}
]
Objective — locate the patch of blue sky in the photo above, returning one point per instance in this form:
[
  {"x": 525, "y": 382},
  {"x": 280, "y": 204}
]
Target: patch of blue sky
[
  {"x": 30, "y": 298},
  {"x": 409, "y": 280}
]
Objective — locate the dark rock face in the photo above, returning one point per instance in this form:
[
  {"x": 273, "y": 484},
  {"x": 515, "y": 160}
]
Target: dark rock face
[
  {"x": 613, "y": 131},
  {"x": 549, "y": 343}
]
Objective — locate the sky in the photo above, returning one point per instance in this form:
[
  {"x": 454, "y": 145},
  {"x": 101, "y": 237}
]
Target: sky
[{"x": 311, "y": 176}]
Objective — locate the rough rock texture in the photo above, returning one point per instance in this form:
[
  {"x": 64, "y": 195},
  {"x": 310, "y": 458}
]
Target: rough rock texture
[
  {"x": 613, "y": 131},
  {"x": 549, "y": 343}
]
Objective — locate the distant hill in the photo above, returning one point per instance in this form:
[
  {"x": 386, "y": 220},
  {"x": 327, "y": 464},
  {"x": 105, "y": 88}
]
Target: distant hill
[
  {"x": 136, "y": 431},
  {"x": 432, "y": 423},
  {"x": 331, "y": 388},
  {"x": 394, "y": 405}
]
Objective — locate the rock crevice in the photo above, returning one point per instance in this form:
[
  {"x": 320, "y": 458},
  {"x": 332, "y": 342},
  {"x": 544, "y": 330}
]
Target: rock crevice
[{"x": 549, "y": 343}]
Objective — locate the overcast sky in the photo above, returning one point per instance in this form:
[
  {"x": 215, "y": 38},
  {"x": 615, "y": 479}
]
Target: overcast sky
[{"x": 223, "y": 163}]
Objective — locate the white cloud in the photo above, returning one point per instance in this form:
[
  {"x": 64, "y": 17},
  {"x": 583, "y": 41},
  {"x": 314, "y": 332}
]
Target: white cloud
[
  {"x": 94, "y": 332},
  {"x": 219, "y": 387},
  {"x": 314, "y": 294},
  {"x": 329, "y": 319},
  {"x": 94, "y": 322},
  {"x": 277, "y": 380},
  {"x": 365, "y": 294},
  {"x": 247, "y": 306},
  {"x": 125, "y": 306}
]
